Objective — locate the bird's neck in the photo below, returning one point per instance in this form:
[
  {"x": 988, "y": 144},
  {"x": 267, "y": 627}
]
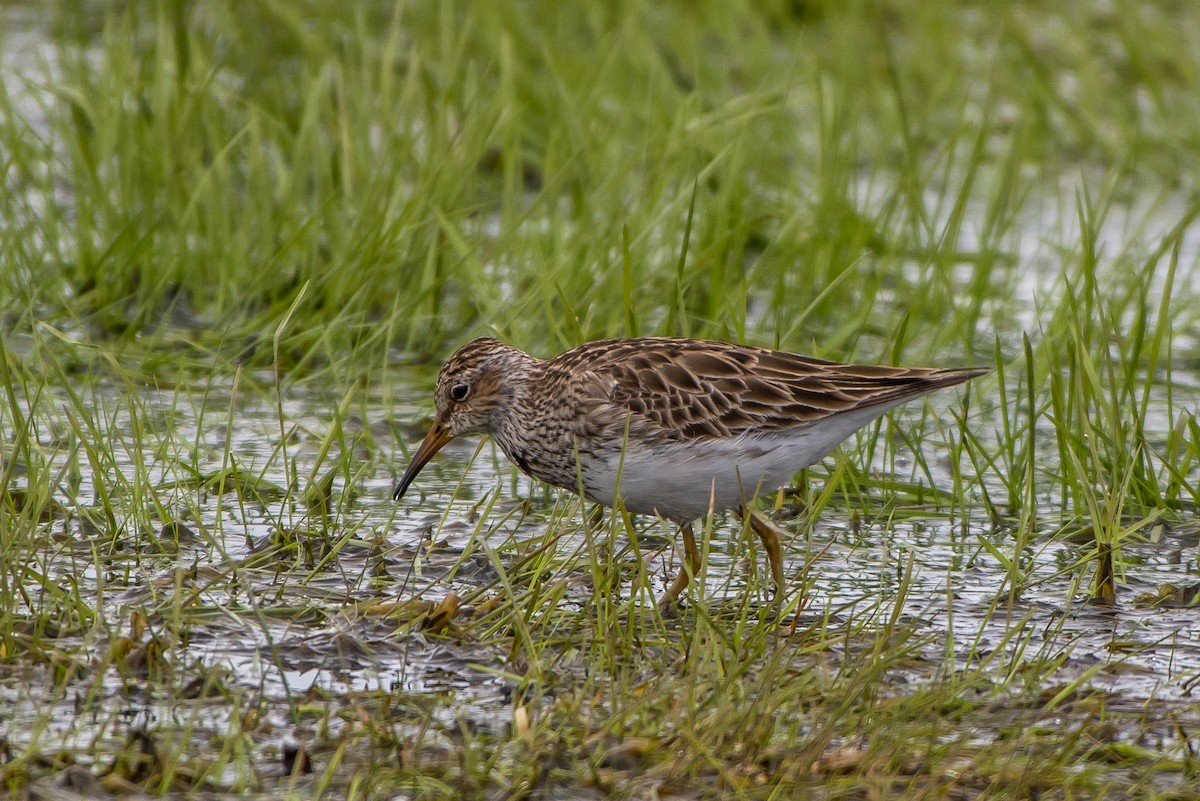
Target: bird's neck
[{"x": 522, "y": 408}]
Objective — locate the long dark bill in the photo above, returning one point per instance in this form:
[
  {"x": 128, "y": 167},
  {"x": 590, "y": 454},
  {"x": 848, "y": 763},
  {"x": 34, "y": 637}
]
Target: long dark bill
[{"x": 434, "y": 441}]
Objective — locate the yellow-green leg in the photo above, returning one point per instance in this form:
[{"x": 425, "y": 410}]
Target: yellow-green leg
[
  {"x": 766, "y": 532},
  {"x": 689, "y": 568}
]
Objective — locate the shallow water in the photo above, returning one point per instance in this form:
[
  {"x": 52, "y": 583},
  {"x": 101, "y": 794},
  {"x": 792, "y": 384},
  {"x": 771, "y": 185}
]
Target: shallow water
[{"x": 298, "y": 624}]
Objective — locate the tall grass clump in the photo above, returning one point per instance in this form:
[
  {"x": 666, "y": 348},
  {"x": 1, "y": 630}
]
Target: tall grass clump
[{"x": 554, "y": 174}]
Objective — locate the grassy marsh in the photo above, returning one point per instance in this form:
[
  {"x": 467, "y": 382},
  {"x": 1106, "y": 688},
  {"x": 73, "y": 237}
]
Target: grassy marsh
[{"x": 238, "y": 238}]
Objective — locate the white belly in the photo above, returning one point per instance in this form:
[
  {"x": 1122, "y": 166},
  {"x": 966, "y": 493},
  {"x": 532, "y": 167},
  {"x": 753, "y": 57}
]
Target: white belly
[{"x": 683, "y": 481}]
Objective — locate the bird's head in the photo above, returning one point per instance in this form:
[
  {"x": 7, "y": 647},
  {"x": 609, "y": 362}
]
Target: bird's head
[{"x": 474, "y": 390}]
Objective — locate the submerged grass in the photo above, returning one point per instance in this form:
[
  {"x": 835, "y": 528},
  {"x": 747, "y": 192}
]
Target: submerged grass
[{"x": 238, "y": 237}]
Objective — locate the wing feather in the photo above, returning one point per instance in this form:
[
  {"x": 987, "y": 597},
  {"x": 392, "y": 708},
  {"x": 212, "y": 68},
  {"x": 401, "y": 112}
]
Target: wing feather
[{"x": 679, "y": 389}]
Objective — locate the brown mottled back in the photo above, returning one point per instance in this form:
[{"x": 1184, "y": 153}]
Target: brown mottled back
[{"x": 688, "y": 389}]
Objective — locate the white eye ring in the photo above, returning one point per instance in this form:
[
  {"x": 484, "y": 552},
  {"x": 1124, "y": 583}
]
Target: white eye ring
[{"x": 460, "y": 392}]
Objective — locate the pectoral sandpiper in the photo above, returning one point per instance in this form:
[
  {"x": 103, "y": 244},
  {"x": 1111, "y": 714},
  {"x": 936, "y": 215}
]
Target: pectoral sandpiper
[{"x": 674, "y": 427}]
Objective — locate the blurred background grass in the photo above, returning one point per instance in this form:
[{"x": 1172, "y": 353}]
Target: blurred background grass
[{"x": 875, "y": 180}]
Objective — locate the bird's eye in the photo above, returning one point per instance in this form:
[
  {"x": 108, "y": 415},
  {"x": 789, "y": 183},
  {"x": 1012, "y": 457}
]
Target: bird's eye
[{"x": 459, "y": 392}]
